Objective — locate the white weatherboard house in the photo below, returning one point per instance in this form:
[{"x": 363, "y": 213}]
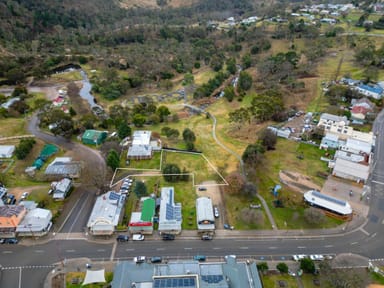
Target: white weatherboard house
[
  {"x": 62, "y": 188},
  {"x": 106, "y": 213},
  {"x": 170, "y": 217},
  {"x": 142, "y": 146},
  {"x": 6, "y": 151},
  {"x": 37, "y": 222}
]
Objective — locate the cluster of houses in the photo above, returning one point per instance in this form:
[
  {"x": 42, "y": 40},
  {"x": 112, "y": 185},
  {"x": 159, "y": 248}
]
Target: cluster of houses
[
  {"x": 354, "y": 148},
  {"x": 61, "y": 101},
  {"x": 376, "y": 91},
  {"x": 23, "y": 219},
  {"x": 108, "y": 212}
]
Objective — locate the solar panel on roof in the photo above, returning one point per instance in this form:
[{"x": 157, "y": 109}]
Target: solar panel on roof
[
  {"x": 114, "y": 196},
  {"x": 174, "y": 282},
  {"x": 329, "y": 198}
]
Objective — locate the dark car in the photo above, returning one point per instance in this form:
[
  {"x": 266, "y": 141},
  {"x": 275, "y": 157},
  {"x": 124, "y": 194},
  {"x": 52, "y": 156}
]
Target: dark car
[
  {"x": 199, "y": 258},
  {"x": 11, "y": 241},
  {"x": 122, "y": 238},
  {"x": 202, "y": 189},
  {"x": 228, "y": 227},
  {"x": 168, "y": 237},
  {"x": 156, "y": 259}
]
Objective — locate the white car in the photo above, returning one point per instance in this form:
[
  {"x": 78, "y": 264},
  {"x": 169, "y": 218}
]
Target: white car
[
  {"x": 24, "y": 195},
  {"x": 298, "y": 257},
  {"x": 316, "y": 257},
  {"x": 216, "y": 212},
  {"x": 137, "y": 237},
  {"x": 139, "y": 259}
]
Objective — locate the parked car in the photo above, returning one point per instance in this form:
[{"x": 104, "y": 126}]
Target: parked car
[
  {"x": 168, "y": 237},
  {"x": 316, "y": 257},
  {"x": 122, "y": 238},
  {"x": 24, "y": 195},
  {"x": 199, "y": 258},
  {"x": 202, "y": 189},
  {"x": 139, "y": 259},
  {"x": 2, "y": 241},
  {"x": 156, "y": 259},
  {"x": 206, "y": 237},
  {"x": 137, "y": 237},
  {"x": 11, "y": 241},
  {"x": 298, "y": 257},
  {"x": 216, "y": 212},
  {"x": 228, "y": 227}
]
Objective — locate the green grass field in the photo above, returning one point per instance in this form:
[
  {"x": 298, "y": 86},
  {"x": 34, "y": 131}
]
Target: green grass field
[{"x": 271, "y": 281}]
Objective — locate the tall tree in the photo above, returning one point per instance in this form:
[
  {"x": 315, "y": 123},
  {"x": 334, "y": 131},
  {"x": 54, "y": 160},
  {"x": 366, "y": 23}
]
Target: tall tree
[{"x": 113, "y": 159}]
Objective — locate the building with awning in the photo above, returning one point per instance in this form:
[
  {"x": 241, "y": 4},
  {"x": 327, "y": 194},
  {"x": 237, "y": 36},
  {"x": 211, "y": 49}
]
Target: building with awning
[
  {"x": 37, "y": 222},
  {"x": 106, "y": 213},
  {"x": 142, "y": 222},
  {"x": 170, "y": 217}
]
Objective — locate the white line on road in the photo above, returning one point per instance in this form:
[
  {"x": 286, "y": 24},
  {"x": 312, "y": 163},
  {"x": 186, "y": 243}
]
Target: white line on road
[
  {"x": 100, "y": 250},
  {"x": 7, "y": 252},
  {"x": 20, "y": 278},
  {"x": 328, "y": 246},
  {"x": 301, "y": 247},
  {"x": 244, "y": 248},
  {"x": 216, "y": 248},
  {"x": 377, "y": 182},
  {"x": 78, "y": 214},
  {"x": 374, "y": 234},
  {"x": 365, "y": 232},
  {"x": 160, "y": 249},
  {"x": 69, "y": 214},
  {"x": 113, "y": 251},
  {"x": 187, "y": 248},
  {"x": 70, "y": 250},
  {"x": 39, "y": 251},
  {"x": 129, "y": 249},
  {"x": 354, "y": 243}
]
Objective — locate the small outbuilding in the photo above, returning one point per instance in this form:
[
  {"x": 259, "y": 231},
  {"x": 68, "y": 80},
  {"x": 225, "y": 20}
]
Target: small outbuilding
[
  {"x": 94, "y": 137},
  {"x": 6, "y": 151}
]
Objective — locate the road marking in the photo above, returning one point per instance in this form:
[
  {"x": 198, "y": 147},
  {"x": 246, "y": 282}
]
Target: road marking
[
  {"x": 272, "y": 247},
  {"x": 328, "y": 246},
  {"x": 244, "y": 248},
  {"x": 7, "y": 252},
  {"x": 377, "y": 182},
  {"x": 382, "y": 222},
  {"x": 113, "y": 251},
  {"x": 70, "y": 250},
  {"x": 301, "y": 247},
  {"x": 69, "y": 214},
  {"x": 39, "y": 251},
  {"x": 160, "y": 249},
  {"x": 28, "y": 267},
  {"x": 365, "y": 232},
  {"x": 100, "y": 250},
  {"x": 20, "y": 277},
  {"x": 216, "y": 248},
  {"x": 374, "y": 234},
  {"x": 78, "y": 214},
  {"x": 130, "y": 249},
  {"x": 354, "y": 243},
  {"x": 187, "y": 248}
]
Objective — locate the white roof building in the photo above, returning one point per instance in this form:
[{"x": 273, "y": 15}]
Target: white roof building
[
  {"x": 336, "y": 205},
  {"x": 170, "y": 217},
  {"x": 357, "y": 147},
  {"x": 204, "y": 214},
  {"x": 141, "y": 137},
  {"x": 350, "y": 170},
  {"x": 106, "y": 213},
  {"x": 6, "y": 151},
  {"x": 37, "y": 222},
  {"x": 326, "y": 118},
  {"x": 62, "y": 188}
]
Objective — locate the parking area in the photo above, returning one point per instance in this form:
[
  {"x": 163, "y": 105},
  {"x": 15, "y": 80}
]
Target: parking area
[
  {"x": 213, "y": 191},
  {"x": 347, "y": 191}
]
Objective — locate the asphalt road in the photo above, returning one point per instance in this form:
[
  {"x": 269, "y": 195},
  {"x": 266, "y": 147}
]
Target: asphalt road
[{"x": 27, "y": 266}]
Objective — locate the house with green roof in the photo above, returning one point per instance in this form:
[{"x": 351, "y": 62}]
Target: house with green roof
[
  {"x": 142, "y": 222},
  {"x": 93, "y": 137}
]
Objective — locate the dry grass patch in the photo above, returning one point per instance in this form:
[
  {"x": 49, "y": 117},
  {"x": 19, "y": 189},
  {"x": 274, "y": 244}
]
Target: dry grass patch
[{"x": 12, "y": 127}]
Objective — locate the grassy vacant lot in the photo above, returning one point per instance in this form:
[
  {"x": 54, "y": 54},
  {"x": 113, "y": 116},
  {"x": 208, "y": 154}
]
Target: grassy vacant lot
[
  {"x": 67, "y": 76},
  {"x": 46, "y": 201},
  {"x": 153, "y": 163},
  {"x": 285, "y": 158},
  {"x": 12, "y": 127},
  {"x": 81, "y": 276}
]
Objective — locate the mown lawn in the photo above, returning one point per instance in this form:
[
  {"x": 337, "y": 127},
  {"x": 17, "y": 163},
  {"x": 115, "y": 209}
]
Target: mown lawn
[
  {"x": 271, "y": 281},
  {"x": 150, "y": 164}
]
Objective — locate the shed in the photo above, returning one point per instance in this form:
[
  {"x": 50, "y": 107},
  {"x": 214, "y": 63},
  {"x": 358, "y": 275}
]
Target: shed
[
  {"x": 93, "y": 137},
  {"x": 6, "y": 151}
]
